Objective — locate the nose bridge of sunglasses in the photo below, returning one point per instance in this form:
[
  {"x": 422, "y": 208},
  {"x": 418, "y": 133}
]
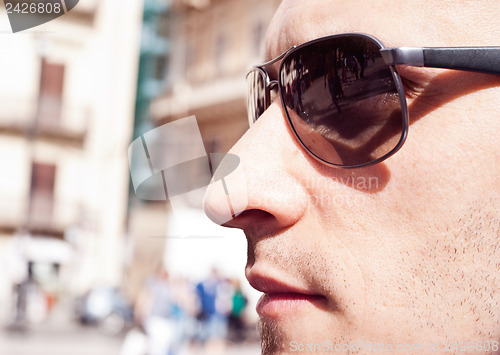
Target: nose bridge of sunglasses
[{"x": 273, "y": 88}]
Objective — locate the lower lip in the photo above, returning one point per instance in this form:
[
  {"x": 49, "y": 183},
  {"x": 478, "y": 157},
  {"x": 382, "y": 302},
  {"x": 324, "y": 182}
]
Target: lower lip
[{"x": 280, "y": 304}]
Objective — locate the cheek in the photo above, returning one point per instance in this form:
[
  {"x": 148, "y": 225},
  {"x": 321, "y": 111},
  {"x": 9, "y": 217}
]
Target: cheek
[
  {"x": 434, "y": 259},
  {"x": 448, "y": 161}
]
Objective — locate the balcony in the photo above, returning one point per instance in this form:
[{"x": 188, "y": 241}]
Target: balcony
[
  {"x": 42, "y": 119},
  {"x": 39, "y": 215},
  {"x": 84, "y": 11},
  {"x": 214, "y": 100}
]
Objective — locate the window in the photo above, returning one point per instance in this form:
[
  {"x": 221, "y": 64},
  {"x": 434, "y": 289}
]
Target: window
[
  {"x": 43, "y": 177},
  {"x": 51, "y": 93}
]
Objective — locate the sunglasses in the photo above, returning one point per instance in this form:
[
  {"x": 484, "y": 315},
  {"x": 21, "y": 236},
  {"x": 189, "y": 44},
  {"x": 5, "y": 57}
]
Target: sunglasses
[{"x": 343, "y": 97}]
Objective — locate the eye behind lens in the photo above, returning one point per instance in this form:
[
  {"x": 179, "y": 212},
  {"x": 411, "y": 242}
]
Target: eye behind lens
[{"x": 341, "y": 100}]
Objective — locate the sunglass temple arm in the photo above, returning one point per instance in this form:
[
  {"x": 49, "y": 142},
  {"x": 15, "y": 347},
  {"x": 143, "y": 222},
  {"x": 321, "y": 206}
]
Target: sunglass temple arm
[{"x": 478, "y": 59}]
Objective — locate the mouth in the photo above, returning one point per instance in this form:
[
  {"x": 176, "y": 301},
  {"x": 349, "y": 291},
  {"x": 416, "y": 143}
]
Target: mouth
[
  {"x": 278, "y": 305},
  {"x": 281, "y": 299}
]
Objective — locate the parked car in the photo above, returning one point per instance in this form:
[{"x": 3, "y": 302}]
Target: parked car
[{"x": 105, "y": 308}]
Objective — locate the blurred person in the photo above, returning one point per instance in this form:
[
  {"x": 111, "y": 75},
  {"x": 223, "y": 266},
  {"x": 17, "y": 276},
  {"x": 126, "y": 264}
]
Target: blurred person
[
  {"x": 215, "y": 304},
  {"x": 332, "y": 80},
  {"x": 350, "y": 242},
  {"x": 238, "y": 304},
  {"x": 31, "y": 303},
  {"x": 156, "y": 310},
  {"x": 185, "y": 312}
]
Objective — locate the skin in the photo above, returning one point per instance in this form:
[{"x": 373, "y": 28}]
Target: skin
[{"x": 413, "y": 257}]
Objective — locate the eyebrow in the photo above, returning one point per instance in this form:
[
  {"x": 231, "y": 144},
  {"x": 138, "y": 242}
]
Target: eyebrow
[{"x": 477, "y": 59}]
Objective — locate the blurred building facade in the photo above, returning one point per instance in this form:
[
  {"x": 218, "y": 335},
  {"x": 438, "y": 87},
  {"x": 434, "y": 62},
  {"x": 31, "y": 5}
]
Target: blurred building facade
[
  {"x": 147, "y": 219},
  {"x": 66, "y": 116},
  {"x": 211, "y": 44},
  {"x": 208, "y": 47}
]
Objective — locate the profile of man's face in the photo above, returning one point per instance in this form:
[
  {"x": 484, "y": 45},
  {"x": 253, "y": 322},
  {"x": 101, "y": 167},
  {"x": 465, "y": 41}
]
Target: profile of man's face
[{"x": 405, "y": 252}]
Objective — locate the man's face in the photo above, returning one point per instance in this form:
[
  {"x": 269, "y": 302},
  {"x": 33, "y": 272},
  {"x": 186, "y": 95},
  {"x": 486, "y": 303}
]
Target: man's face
[{"x": 403, "y": 252}]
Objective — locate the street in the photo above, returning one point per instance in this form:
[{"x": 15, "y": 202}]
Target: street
[
  {"x": 57, "y": 339},
  {"x": 64, "y": 337}
]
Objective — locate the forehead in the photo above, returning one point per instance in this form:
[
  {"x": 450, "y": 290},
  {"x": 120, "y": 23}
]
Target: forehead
[{"x": 394, "y": 22}]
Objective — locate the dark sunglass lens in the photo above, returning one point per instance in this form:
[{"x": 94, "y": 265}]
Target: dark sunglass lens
[
  {"x": 341, "y": 100},
  {"x": 256, "y": 100}
]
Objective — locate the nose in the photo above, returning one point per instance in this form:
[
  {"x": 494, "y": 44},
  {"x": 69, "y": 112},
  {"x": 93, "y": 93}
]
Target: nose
[{"x": 266, "y": 184}]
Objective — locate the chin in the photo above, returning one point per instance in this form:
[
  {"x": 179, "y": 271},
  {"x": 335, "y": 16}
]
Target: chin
[{"x": 293, "y": 334}]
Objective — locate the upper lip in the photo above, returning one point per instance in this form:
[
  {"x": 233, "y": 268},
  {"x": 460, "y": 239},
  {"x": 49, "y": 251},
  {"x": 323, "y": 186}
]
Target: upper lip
[{"x": 271, "y": 285}]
